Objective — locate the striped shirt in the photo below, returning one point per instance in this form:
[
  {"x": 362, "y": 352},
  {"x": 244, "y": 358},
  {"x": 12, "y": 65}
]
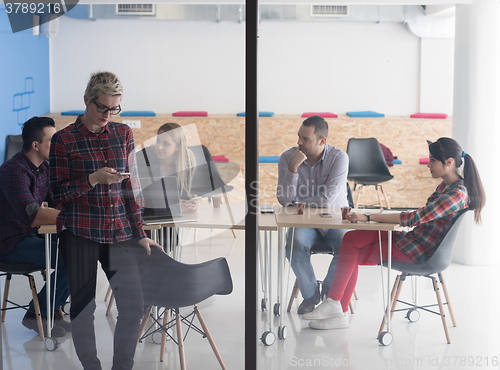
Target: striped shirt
[
  {"x": 23, "y": 188},
  {"x": 102, "y": 213},
  {"x": 431, "y": 222}
]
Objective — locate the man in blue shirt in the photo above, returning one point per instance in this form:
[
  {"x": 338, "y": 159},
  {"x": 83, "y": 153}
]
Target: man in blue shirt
[
  {"x": 314, "y": 173},
  {"x": 24, "y": 186}
]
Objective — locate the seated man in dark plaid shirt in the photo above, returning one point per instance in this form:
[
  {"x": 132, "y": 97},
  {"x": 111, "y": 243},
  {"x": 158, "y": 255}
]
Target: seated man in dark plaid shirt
[{"x": 24, "y": 186}]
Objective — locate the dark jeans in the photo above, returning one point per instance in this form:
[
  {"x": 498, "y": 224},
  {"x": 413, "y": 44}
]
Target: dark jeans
[
  {"x": 31, "y": 250},
  {"x": 118, "y": 261}
]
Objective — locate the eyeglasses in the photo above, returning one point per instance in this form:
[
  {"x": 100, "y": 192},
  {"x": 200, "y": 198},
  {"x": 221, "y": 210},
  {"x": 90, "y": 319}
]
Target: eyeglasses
[{"x": 104, "y": 109}]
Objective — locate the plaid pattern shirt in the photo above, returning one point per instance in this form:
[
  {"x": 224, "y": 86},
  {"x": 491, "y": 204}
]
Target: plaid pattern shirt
[
  {"x": 102, "y": 213},
  {"x": 23, "y": 188},
  {"x": 431, "y": 222}
]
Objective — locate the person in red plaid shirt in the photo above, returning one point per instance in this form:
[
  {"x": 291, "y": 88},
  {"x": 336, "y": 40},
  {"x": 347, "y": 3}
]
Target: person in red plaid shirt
[
  {"x": 430, "y": 225},
  {"x": 100, "y": 218}
]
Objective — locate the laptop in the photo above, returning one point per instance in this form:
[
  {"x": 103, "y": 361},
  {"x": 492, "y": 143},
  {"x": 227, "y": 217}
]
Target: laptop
[{"x": 162, "y": 203}]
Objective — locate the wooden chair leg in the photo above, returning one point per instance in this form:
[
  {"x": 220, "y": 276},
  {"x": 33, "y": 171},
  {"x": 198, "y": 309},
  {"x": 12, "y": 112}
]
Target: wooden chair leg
[
  {"x": 377, "y": 189},
  {"x": 209, "y": 337},
  {"x": 350, "y": 308},
  {"x": 111, "y": 300},
  {"x": 295, "y": 294},
  {"x": 180, "y": 340},
  {"x": 385, "y": 197},
  {"x": 144, "y": 322},
  {"x": 396, "y": 291},
  {"x": 447, "y": 297},
  {"x": 358, "y": 196},
  {"x": 164, "y": 334},
  {"x": 441, "y": 309},
  {"x": 234, "y": 233},
  {"x": 107, "y": 293},
  {"x": 355, "y": 294},
  {"x": 37, "y": 307},
  {"x": 5, "y": 295}
]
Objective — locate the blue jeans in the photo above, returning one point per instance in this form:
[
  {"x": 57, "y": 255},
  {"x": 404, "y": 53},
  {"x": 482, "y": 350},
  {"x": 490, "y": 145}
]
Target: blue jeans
[
  {"x": 303, "y": 241},
  {"x": 32, "y": 250}
]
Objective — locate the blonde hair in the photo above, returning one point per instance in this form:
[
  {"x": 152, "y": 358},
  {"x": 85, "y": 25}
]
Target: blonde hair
[
  {"x": 106, "y": 83},
  {"x": 184, "y": 162}
]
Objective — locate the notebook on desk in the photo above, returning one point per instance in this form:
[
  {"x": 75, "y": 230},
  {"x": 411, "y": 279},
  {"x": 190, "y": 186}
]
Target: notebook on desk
[{"x": 162, "y": 203}]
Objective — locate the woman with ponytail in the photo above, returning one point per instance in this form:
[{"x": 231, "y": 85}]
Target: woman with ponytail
[{"x": 430, "y": 224}]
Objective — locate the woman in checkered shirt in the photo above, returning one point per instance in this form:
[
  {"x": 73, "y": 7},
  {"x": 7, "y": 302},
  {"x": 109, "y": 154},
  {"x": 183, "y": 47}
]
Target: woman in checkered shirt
[{"x": 430, "y": 224}]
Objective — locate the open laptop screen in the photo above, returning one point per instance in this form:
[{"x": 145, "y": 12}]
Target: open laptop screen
[{"x": 162, "y": 198}]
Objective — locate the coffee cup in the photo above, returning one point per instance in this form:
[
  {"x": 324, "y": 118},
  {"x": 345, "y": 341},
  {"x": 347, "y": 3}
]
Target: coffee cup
[
  {"x": 301, "y": 206},
  {"x": 216, "y": 201},
  {"x": 345, "y": 212}
]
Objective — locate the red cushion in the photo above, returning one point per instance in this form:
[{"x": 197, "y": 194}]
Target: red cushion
[
  {"x": 220, "y": 158},
  {"x": 429, "y": 115},
  {"x": 190, "y": 114},
  {"x": 323, "y": 114}
]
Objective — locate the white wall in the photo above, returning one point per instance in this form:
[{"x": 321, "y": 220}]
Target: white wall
[
  {"x": 168, "y": 66},
  {"x": 436, "y": 77}
]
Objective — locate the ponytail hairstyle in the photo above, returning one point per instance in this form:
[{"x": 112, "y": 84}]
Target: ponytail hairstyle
[
  {"x": 185, "y": 162},
  {"x": 445, "y": 148}
]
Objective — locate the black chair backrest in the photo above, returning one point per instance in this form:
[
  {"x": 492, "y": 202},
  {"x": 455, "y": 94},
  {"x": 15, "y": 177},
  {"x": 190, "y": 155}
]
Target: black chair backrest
[
  {"x": 207, "y": 180},
  {"x": 366, "y": 158},
  {"x": 173, "y": 284},
  {"x": 349, "y": 196},
  {"x": 13, "y": 145}
]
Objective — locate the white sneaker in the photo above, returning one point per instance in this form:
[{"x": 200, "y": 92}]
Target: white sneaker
[
  {"x": 328, "y": 309},
  {"x": 327, "y": 324}
]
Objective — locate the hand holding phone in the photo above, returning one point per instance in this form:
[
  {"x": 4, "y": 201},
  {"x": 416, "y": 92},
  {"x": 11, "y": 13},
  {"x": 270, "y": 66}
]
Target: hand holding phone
[{"x": 193, "y": 199}]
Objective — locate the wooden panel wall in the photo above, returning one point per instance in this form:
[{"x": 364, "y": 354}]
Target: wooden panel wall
[{"x": 225, "y": 135}]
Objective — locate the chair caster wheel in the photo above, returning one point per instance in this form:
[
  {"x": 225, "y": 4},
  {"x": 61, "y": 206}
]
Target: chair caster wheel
[
  {"x": 277, "y": 309},
  {"x": 156, "y": 337},
  {"x": 268, "y": 338},
  {"x": 385, "y": 338},
  {"x": 282, "y": 332},
  {"x": 413, "y": 315},
  {"x": 263, "y": 304},
  {"x": 51, "y": 344}
]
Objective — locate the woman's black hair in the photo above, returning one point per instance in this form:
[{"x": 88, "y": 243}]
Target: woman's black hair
[{"x": 445, "y": 148}]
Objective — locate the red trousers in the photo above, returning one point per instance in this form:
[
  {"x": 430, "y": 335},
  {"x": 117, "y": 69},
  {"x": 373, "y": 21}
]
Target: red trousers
[{"x": 359, "y": 247}]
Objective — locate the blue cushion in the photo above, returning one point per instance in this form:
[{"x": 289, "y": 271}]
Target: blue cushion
[
  {"x": 367, "y": 113},
  {"x": 261, "y": 114},
  {"x": 72, "y": 113},
  {"x": 397, "y": 161},
  {"x": 137, "y": 113},
  {"x": 269, "y": 159}
]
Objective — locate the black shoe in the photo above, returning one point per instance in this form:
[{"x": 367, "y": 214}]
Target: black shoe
[
  {"x": 60, "y": 320},
  {"x": 29, "y": 321},
  {"x": 308, "y": 304},
  {"x": 325, "y": 289}
]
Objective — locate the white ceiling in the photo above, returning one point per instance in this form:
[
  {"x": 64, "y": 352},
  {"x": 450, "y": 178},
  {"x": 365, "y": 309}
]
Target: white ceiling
[{"x": 280, "y": 2}]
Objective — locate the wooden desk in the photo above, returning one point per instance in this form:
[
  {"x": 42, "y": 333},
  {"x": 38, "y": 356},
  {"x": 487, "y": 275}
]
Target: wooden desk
[{"x": 288, "y": 217}]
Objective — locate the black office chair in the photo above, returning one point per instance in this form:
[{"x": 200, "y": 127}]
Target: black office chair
[
  {"x": 13, "y": 144},
  {"x": 25, "y": 270},
  {"x": 207, "y": 180},
  {"x": 322, "y": 249},
  {"x": 171, "y": 284},
  {"x": 436, "y": 264},
  {"x": 367, "y": 166}
]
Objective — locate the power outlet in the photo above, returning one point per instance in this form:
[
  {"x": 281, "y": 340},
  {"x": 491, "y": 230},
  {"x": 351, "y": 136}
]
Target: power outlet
[{"x": 133, "y": 123}]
